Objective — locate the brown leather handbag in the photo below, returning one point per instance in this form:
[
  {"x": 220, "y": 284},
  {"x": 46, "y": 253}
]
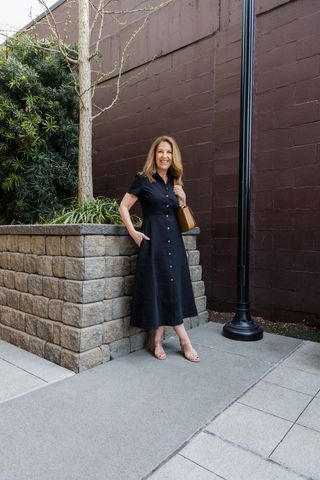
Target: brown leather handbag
[{"x": 186, "y": 218}]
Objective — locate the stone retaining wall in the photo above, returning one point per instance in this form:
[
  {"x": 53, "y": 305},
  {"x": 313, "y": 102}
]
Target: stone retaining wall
[{"x": 65, "y": 292}]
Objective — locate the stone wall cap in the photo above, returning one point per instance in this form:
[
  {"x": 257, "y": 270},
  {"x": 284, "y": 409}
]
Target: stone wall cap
[{"x": 76, "y": 229}]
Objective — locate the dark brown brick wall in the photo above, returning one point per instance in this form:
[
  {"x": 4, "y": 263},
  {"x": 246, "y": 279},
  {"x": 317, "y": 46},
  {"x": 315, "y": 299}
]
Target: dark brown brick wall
[{"x": 191, "y": 91}]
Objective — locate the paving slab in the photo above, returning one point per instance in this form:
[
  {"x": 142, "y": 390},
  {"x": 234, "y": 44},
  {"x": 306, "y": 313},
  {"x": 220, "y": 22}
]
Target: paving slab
[
  {"x": 307, "y": 362},
  {"x": 299, "y": 451},
  {"x": 294, "y": 379},
  {"x": 180, "y": 468},
  {"x": 232, "y": 462},
  {"x": 276, "y": 400},
  {"x": 122, "y": 419},
  {"x": 311, "y": 416},
  {"x": 249, "y": 428}
]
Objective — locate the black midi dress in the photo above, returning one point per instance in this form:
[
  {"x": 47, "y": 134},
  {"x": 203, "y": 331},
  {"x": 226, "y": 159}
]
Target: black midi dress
[{"x": 162, "y": 291}]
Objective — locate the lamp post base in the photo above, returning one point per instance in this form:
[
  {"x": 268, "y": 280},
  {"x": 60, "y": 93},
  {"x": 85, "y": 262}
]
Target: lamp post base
[{"x": 243, "y": 328}]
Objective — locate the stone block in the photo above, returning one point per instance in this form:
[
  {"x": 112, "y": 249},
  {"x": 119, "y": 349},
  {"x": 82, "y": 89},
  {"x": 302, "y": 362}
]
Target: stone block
[
  {"x": 13, "y": 299},
  {"x": 31, "y": 324},
  {"x": 114, "y": 287},
  {"x": 119, "y": 348},
  {"x": 45, "y": 329},
  {"x": 93, "y": 290},
  {"x": 51, "y": 287},
  {"x": 94, "y": 267},
  {"x": 13, "y": 318},
  {"x": 5, "y": 333},
  {"x": 196, "y": 273},
  {"x": 121, "y": 307},
  {"x": 44, "y": 266},
  {"x": 201, "y": 303},
  {"x": 9, "y": 279},
  {"x": 193, "y": 257},
  {"x": 128, "y": 329},
  {"x": 3, "y": 243},
  {"x": 26, "y": 302},
  {"x": 105, "y": 350},
  {"x": 198, "y": 288},
  {"x": 40, "y": 306},
  {"x": 52, "y": 353},
  {"x": 35, "y": 284},
  {"x": 112, "y": 331},
  {"x": 15, "y": 262},
  {"x": 38, "y": 244},
  {"x": 90, "y": 359},
  {"x": 73, "y": 291},
  {"x": 24, "y": 244},
  {"x": 21, "y": 281},
  {"x": 70, "y": 338},
  {"x": 57, "y": 327},
  {"x": 190, "y": 242},
  {"x": 94, "y": 245},
  {"x": 81, "y": 339},
  {"x": 203, "y": 317},
  {"x": 74, "y": 268},
  {"x": 30, "y": 263},
  {"x": 139, "y": 341},
  {"x": 12, "y": 243},
  {"x": 79, "y": 315},
  {"x": 37, "y": 346},
  {"x": 53, "y": 245},
  {"x": 1, "y": 277},
  {"x": 63, "y": 245},
  {"x": 107, "y": 307},
  {"x": 187, "y": 323},
  {"x": 58, "y": 266},
  {"x": 55, "y": 309},
  {"x": 111, "y": 245},
  {"x": 74, "y": 246},
  {"x": 70, "y": 360},
  {"x": 127, "y": 246},
  {"x": 23, "y": 340},
  {"x": 117, "y": 266},
  {"x": 128, "y": 284},
  {"x": 194, "y": 321},
  {"x": 4, "y": 256},
  {"x": 3, "y": 295}
]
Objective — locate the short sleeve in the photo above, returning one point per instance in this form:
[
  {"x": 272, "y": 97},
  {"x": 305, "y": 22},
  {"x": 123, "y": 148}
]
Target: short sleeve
[{"x": 136, "y": 187}]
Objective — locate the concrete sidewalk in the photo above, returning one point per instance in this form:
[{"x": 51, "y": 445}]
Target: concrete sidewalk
[{"x": 248, "y": 411}]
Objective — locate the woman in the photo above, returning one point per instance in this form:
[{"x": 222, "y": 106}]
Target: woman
[{"x": 162, "y": 288}]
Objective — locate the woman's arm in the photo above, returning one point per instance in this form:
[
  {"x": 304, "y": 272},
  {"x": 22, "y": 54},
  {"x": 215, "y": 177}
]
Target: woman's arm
[
  {"x": 180, "y": 193},
  {"x": 126, "y": 204}
]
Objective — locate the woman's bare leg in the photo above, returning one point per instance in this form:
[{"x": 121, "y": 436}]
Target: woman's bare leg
[
  {"x": 186, "y": 347},
  {"x": 157, "y": 347}
]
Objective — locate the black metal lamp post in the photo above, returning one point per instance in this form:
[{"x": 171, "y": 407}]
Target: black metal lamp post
[{"x": 242, "y": 326}]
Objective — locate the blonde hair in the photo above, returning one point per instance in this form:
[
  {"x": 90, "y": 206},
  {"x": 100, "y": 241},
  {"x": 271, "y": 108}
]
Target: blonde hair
[{"x": 150, "y": 167}]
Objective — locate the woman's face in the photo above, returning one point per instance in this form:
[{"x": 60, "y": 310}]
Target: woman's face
[{"x": 163, "y": 156}]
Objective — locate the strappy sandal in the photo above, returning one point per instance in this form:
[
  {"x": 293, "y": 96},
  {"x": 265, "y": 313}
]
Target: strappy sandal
[
  {"x": 160, "y": 355},
  {"x": 192, "y": 357}
]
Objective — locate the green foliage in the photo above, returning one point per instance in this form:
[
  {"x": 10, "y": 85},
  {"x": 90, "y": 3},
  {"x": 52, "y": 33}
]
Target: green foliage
[
  {"x": 38, "y": 130},
  {"x": 96, "y": 210}
]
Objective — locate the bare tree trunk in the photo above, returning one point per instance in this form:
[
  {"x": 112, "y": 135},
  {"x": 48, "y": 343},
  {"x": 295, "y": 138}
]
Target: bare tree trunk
[{"x": 85, "y": 190}]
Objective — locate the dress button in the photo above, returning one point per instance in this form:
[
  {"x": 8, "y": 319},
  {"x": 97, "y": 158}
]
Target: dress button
[
  {"x": 169, "y": 241},
  {"x": 169, "y": 253},
  {"x": 167, "y": 215},
  {"x": 168, "y": 228},
  {"x": 171, "y": 279},
  {"x": 170, "y": 266},
  {"x": 167, "y": 206},
  {"x": 167, "y": 195}
]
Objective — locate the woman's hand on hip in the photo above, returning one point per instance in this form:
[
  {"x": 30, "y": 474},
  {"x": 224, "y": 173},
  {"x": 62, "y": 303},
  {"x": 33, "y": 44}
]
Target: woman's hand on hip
[
  {"x": 179, "y": 192},
  {"x": 138, "y": 237}
]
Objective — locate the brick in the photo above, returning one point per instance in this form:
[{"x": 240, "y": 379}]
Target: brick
[
  {"x": 35, "y": 284},
  {"x": 45, "y": 329},
  {"x": 38, "y": 245},
  {"x": 94, "y": 245},
  {"x": 74, "y": 246},
  {"x": 70, "y": 338},
  {"x": 94, "y": 267},
  {"x": 73, "y": 291},
  {"x": 26, "y": 302},
  {"x": 93, "y": 291},
  {"x": 40, "y": 306},
  {"x": 37, "y": 346},
  {"x": 119, "y": 348},
  {"x": 15, "y": 261},
  {"x": 13, "y": 318},
  {"x": 53, "y": 353},
  {"x": 55, "y": 310},
  {"x": 8, "y": 279},
  {"x": 13, "y": 299},
  {"x": 90, "y": 359},
  {"x": 83, "y": 315},
  {"x": 112, "y": 331},
  {"x": 74, "y": 268},
  {"x": 21, "y": 281},
  {"x": 44, "y": 266},
  {"x": 31, "y": 324},
  {"x": 12, "y": 243},
  {"x": 30, "y": 263},
  {"x": 51, "y": 287},
  {"x": 70, "y": 360},
  {"x": 53, "y": 245},
  {"x": 114, "y": 287},
  {"x": 120, "y": 307},
  {"x": 117, "y": 266},
  {"x": 58, "y": 267},
  {"x": 24, "y": 244}
]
